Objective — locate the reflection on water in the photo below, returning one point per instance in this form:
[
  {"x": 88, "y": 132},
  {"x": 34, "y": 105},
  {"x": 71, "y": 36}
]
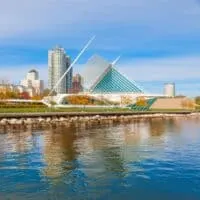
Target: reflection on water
[
  {"x": 58, "y": 150},
  {"x": 158, "y": 159}
]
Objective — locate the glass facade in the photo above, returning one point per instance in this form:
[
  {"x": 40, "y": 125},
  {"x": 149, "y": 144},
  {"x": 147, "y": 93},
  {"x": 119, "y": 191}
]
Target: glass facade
[
  {"x": 114, "y": 82},
  {"x": 95, "y": 67},
  {"x": 99, "y": 76}
]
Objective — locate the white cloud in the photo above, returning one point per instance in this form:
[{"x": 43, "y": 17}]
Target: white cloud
[
  {"x": 73, "y": 17},
  {"x": 167, "y": 69}
]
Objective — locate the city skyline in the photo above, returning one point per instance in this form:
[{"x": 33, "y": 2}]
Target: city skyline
[{"x": 156, "y": 38}]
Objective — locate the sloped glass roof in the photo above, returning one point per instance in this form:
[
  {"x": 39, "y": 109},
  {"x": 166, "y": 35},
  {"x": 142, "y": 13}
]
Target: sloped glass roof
[
  {"x": 115, "y": 82},
  {"x": 95, "y": 67}
]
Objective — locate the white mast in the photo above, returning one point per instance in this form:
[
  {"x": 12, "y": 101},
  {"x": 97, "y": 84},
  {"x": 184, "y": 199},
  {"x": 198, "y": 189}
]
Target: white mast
[
  {"x": 115, "y": 61},
  {"x": 72, "y": 64}
]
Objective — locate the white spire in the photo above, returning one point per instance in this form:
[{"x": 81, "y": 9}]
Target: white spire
[{"x": 115, "y": 61}]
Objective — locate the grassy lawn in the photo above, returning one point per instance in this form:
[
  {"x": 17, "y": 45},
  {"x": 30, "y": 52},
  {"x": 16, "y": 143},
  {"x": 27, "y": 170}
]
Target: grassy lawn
[
  {"x": 198, "y": 109},
  {"x": 35, "y": 110},
  {"x": 46, "y": 109}
]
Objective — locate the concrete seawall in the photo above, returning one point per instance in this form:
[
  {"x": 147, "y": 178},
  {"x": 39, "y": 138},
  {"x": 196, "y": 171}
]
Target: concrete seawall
[{"x": 15, "y": 121}]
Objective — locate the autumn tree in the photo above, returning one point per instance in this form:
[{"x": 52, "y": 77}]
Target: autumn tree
[
  {"x": 45, "y": 92},
  {"x": 197, "y": 100},
  {"x": 36, "y": 97},
  {"x": 24, "y": 95},
  {"x": 191, "y": 104},
  {"x": 141, "y": 101},
  {"x": 78, "y": 100},
  {"x": 188, "y": 104},
  {"x": 7, "y": 93}
]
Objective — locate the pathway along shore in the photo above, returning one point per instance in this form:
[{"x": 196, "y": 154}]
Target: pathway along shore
[{"x": 16, "y": 120}]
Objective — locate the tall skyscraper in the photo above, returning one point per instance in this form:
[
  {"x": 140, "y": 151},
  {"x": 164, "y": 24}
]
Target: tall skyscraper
[{"x": 58, "y": 63}]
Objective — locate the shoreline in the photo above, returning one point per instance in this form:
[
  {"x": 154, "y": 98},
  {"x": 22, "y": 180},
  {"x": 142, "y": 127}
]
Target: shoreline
[
  {"x": 19, "y": 120},
  {"x": 85, "y": 114}
]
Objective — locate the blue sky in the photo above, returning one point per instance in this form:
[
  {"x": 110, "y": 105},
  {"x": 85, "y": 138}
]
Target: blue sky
[{"x": 159, "y": 40}]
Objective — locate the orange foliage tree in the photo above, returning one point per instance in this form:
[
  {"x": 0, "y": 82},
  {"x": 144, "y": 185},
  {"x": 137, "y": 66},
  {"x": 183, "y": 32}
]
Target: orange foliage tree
[
  {"x": 36, "y": 97},
  {"x": 141, "y": 101},
  {"x": 78, "y": 100},
  {"x": 197, "y": 100},
  {"x": 24, "y": 95},
  {"x": 188, "y": 104},
  {"x": 7, "y": 93}
]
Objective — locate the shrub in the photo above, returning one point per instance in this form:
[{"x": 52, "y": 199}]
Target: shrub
[
  {"x": 197, "y": 100},
  {"x": 141, "y": 101},
  {"x": 188, "y": 104},
  {"x": 126, "y": 100}
]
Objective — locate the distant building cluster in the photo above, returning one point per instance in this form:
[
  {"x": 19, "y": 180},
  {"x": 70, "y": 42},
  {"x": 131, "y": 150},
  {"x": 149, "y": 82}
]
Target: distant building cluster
[
  {"x": 11, "y": 87},
  {"x": 99, "y": 77},
  {"x": 32, "y": 84}
]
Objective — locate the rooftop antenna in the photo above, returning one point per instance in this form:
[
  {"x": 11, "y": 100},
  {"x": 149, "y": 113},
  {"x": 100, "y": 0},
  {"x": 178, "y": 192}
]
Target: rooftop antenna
[{"x": 71, "y": 65}]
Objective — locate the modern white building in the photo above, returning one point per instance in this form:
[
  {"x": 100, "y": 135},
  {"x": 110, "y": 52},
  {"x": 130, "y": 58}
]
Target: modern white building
[
  {"x": 58, "y": 63},
  {"x": 101, "y": 80},
  {"x": 169, "y": 90},
  {"x": 33, "y": 85}
]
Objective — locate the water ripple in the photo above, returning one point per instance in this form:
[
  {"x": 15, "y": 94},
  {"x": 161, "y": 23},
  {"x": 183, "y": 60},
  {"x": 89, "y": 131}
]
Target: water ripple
[{"x": 150, "y": 160}]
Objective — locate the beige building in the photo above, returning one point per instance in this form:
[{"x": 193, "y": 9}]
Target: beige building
[{"x": 176, "y": 103}]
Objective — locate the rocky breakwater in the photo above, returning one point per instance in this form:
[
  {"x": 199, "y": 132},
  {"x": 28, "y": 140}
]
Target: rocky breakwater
[{"x": 88, "y": 121}]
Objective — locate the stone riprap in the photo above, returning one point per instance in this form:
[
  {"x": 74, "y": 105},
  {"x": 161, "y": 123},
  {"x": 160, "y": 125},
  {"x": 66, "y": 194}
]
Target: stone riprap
[{"x": 88, "y": 120}]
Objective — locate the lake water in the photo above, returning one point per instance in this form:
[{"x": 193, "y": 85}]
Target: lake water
[{"x": 158, "y": 159}]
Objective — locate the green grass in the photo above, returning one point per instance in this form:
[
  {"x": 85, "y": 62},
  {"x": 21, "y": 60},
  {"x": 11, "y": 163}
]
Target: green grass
[
  {"x": 46, "y": 109},
  {"x": 198, "y": 108},
  {"x": 43, "y": 110}
]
